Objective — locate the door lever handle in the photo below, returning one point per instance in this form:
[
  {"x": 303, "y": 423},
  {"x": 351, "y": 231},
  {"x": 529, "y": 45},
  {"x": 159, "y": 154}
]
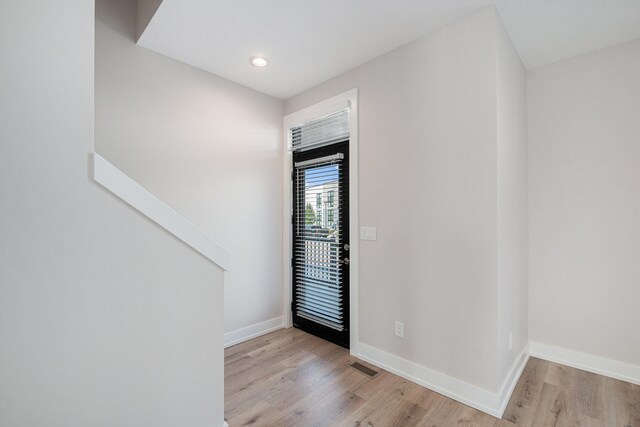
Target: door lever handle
[{"x": 344, "y": 261}]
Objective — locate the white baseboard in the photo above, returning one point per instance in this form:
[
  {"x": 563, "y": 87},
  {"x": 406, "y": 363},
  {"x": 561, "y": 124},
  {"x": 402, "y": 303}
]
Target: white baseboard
[
  {"x": 509, "y": 384},
  {"x": 586, "y": 362},
  {"x": 252, "y": 331},
  {"x": 479, "y": 398},
  {"x": 484, "y": 400}
]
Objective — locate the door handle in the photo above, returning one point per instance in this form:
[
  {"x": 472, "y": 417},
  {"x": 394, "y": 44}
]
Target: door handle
[{"x": 344, "y": 261}]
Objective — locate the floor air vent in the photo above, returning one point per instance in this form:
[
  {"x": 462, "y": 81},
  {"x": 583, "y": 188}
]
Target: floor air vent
[{"x": 367, "y": 371}]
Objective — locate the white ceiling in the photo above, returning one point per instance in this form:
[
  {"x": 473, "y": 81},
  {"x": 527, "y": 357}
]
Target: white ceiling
[{"x": 310, "y": 41}]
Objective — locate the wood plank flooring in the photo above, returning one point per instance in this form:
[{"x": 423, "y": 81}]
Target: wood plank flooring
[{"x": 290, "y": 378}]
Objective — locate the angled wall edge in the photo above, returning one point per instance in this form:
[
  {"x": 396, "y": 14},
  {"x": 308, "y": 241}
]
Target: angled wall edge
[
  {"x": 144, "y": 201},
  {"x": 146, "y": 9}
]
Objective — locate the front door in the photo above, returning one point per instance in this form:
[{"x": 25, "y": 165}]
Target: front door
[{"x": 320, "y": 261}]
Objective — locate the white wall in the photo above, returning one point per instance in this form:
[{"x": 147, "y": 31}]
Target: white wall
[
  {"x": 428, "y": 177},
  {"x": 145, "y": 10},
  {"x": 207, "y": 147},
  {"x": 513, "y": 232},
  {"x": 105, "y": 319},
  {"x": 584, "y": 186}
]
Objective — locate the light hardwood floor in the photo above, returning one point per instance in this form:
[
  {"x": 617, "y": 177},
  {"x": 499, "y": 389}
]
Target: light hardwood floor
[{"x": 290, "y": 378}]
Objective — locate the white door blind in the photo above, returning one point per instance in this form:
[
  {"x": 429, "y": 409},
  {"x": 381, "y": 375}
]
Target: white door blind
[
  {"x": 317, "y": 246},
  {"x": 324, "y": 131}
]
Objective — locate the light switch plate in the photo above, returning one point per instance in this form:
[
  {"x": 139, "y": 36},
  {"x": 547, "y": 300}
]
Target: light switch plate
[{"x": 368, "y": 233}]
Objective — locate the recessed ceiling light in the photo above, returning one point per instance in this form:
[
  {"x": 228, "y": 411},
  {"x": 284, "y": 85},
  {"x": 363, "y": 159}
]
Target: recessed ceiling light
[{"x": 258, "y": 61}]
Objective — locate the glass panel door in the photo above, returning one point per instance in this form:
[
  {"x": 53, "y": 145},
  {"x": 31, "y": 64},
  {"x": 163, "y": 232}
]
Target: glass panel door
[{"x": 320, "y": 260}]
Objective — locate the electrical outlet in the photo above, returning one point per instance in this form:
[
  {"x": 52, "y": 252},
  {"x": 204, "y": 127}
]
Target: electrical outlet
[
  {"x": 400, "y": 329},
  {"x": 510, "y": 341},
  {"x": 368, "y": 233}
]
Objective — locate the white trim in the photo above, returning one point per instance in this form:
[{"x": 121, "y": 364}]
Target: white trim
[
  {"x": 587, "y": 362},
  {"x": 224, "y": 424},
  {"x": 469, "y": 394},
  {"x": 137, "y": 196},
  {"x": 512, "y": 378},
  {"x": 252, "y": 331},
  {"x": 477, "y": 397},
  {"x": 315, "y": 111}
]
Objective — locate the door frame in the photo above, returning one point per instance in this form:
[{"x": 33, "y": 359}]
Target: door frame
[{"x": 312, "y": 112}]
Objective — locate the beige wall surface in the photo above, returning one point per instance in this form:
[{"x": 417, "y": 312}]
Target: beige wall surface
[
  {"x": 427, "y": 142},
  {"x": 105, "y": 319},
  {"x": 584, "y": 187},
  {"x": 207, "y": 147}
]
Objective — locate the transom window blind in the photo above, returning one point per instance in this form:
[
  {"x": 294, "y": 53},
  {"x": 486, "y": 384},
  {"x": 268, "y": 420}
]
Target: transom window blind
[
  {"x": 323, "y": 131},
  {"x": 318, "y": 241}
]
